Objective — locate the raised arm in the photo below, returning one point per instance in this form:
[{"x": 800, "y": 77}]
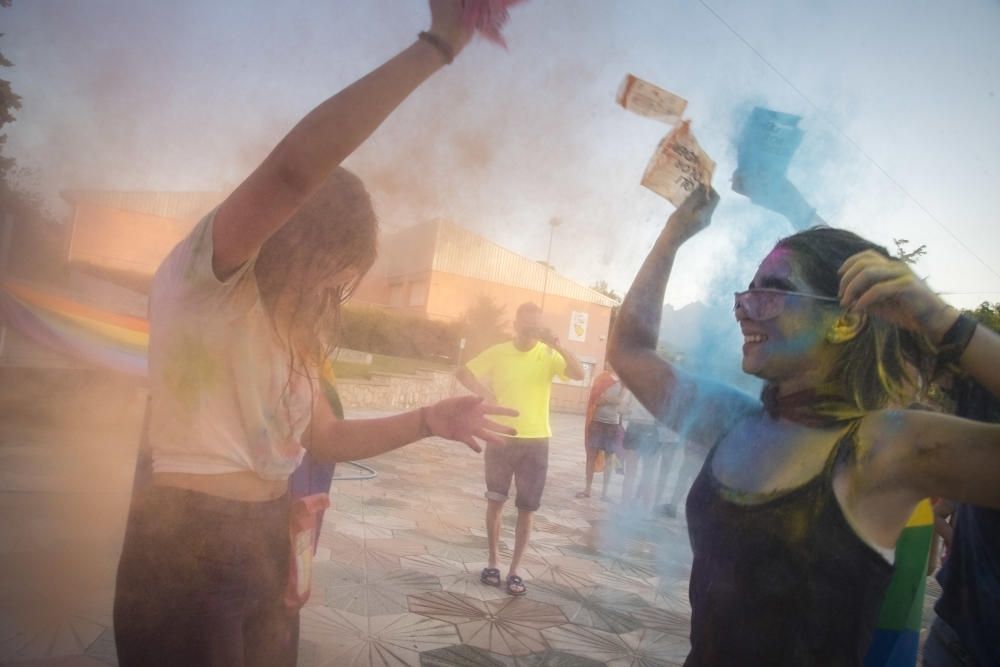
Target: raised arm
[
  {"x": 776, "y": 193},
  {"x": 684, "y": 403},
  {"x": 908, "y": 455},
  {"x": 574, "y": 369},
  {"x": 889, "y": 289},
  {"x": 305, "y": 158}
]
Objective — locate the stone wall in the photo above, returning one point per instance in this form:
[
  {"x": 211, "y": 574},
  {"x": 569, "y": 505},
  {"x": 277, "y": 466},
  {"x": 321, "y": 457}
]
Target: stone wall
[{"x": 389, "y": 391}]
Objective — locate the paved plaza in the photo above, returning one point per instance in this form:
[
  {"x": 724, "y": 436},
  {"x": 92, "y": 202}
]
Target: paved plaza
[{"x": 396, "y": 581}]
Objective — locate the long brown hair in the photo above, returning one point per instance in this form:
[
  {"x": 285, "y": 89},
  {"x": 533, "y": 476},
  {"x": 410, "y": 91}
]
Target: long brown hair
[
  {"x": 882, "y": 363},
  {"x": 335, "y": 230}
]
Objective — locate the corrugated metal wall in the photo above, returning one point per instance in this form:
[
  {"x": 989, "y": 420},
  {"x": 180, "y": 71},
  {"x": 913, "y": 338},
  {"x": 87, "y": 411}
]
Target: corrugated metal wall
[{"x": 465, "y": 253}]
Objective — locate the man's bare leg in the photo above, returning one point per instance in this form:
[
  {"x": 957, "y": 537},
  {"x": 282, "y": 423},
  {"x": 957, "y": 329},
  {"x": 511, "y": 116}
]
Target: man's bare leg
[
  {"x": 494, "y": 514},
  {"x": 591, "y": 465},
  {"x": 521, "y": 534}
]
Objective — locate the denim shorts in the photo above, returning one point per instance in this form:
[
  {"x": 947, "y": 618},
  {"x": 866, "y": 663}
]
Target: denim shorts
[{"x": 526, "y": 461}]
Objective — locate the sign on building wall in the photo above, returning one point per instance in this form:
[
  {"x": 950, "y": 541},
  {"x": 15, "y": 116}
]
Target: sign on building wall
[{"x": 578, "y": 327}]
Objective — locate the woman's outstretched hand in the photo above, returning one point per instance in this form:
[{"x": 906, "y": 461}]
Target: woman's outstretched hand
[
  {"x": 887, "y": 288},
  {"x": 464, "y": 419},
  {"x": 446, "y": 23},
  {"x": 693, "y": 215}
]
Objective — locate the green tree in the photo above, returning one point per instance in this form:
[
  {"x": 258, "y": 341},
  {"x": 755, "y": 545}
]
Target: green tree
[
  {"x": 602, "y": 287},
  {"x": 909, "y": 256},
  {"x": 987, "y": 313},
  {"x": 9, "y": 103}
]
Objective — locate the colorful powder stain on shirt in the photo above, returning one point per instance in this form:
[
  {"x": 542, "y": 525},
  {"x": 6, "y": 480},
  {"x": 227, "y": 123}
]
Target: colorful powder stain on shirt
[{"x": 190, "y": 370}]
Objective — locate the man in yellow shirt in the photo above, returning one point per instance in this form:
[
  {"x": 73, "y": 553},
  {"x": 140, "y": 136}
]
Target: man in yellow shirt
[{"x": 518, "y": 374}]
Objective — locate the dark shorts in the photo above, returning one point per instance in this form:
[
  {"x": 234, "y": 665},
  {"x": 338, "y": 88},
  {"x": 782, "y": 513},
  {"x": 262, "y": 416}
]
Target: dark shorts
[
  {"x": 604, "y": 437},
  {"x": 526, "y": 461},
  {"x": 644, "y": 437}
]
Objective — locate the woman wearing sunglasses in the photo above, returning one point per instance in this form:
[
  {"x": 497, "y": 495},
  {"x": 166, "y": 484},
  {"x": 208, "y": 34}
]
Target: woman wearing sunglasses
[{"x": 795, "y": 514}]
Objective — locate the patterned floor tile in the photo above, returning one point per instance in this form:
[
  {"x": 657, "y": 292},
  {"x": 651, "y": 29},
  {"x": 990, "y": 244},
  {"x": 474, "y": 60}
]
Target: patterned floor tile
[
  {"x": 464, "y": 655},
  {"x": 434, "y": 565},
  {"x": 641, "y": 587},
  {"x": 627, "y": 566},
  {"x": 48, "y": 636},
  {"x": 603, "y": 647},
  {"x": 469, "y": 585},
  {"x": 360, "y": 530},
  {"x": 664, "y": 620},
  {"x": 396, "y": 578},
  {"x": 596, "y": 607},
  {"x": 341, "y": 548},
  {"x": 389, "y": 521},
  {"x": 650, "y": 647},
  {"x": 103, "y": 649},
  {"x": 641, "y": 648},
  {"x": 556, "y": 574},
  {"x": 374, "y": 593},
  {"x": 460, "y": 548},
  {"x": 552, "y": 658},
  {"x": 335, "y": 638},
  {"x": 510, "y": 626}
]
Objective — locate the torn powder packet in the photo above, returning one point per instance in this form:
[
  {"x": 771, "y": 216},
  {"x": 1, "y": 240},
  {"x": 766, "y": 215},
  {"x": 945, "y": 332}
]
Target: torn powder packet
[
  {"x": 645, "y": 99},
  {"x": 678, "y": 166}
]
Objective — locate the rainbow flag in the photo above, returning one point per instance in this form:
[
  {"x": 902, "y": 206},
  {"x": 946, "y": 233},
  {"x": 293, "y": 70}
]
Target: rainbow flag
[
  {"x": 897, "y": 632},
  {"x": 89, "y": 334}
]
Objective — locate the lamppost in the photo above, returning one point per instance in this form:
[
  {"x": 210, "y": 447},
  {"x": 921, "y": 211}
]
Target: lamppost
[{"x": 553, "y": 223}]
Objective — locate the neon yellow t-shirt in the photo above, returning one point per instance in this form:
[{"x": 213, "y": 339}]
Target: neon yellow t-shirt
[{"x": 523, "y": 381}]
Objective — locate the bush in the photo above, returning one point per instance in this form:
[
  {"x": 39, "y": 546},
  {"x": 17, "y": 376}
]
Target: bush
[{"x": 380, "y": 332}]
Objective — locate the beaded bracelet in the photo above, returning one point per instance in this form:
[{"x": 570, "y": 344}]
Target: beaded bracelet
[{"x": 443, "y": 47}]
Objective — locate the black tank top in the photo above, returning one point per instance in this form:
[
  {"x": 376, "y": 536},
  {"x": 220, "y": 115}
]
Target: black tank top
[{"x": 785, "y": 581}]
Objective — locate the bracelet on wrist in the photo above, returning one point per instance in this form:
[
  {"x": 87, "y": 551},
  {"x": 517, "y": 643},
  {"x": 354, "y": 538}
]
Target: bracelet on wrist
[
  {"x": 955, "y": 340},
  {"x": 443, "y": 47}
]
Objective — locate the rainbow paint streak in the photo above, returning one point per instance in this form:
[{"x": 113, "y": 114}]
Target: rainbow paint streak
[{"x": 94, "y": 336}]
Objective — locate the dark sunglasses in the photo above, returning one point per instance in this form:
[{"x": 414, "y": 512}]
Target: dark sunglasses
[{"x": 763, "y": 303}]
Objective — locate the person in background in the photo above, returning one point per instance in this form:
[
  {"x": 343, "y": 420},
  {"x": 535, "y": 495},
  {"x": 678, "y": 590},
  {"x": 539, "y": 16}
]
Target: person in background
[
  {"x": 603, "y": 432},
  {"x": 692, "y": 457},
  {"x": 518, "y": 374},
  {"x": 642, "y": 450},
  {"x": 967, "y": 615}
]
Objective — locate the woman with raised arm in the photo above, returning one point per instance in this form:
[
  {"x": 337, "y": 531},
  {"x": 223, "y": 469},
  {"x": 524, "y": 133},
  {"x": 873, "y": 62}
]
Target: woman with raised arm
[
  {"x": 803, "y": 494},
  {"x": 243, "y": 313}
]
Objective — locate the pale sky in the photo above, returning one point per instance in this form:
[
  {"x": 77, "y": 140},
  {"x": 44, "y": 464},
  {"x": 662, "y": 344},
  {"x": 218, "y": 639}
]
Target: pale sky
[{"x": 190, "y": 94}]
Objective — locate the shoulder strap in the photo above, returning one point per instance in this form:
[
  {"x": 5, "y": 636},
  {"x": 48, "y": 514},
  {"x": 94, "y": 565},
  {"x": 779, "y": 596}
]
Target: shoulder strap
[{"x": 844, "y": 448}]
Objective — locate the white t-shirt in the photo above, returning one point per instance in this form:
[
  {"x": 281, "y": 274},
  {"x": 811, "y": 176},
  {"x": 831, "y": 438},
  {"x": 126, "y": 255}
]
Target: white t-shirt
[{"x": 222, "y": 399}]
